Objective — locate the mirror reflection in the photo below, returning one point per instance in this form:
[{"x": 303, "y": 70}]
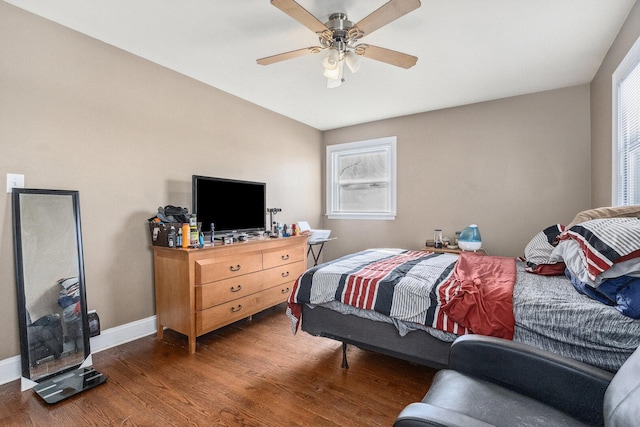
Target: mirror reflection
[{"x": 49, "y": 280}]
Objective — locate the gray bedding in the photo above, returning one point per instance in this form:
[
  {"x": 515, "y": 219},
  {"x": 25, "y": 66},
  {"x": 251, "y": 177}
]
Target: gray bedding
[{"x": 552, "y": 315}]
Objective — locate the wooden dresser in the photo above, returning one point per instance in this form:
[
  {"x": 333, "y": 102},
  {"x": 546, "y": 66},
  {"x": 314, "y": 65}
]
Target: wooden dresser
[{"x": 200, "y": 290}]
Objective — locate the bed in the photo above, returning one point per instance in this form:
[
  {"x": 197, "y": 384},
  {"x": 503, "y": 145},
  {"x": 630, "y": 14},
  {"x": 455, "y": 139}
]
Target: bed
[{"x": 576, "y": 294}]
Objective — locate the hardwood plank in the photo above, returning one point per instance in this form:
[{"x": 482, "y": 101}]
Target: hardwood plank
[{"x": 250, "y": 373}]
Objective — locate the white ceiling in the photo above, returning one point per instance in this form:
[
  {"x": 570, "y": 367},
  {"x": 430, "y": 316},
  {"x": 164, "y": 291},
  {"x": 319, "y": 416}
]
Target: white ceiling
[{"x": 469, "y": 50}]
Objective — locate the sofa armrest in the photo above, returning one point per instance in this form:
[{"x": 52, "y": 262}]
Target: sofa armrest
[
  {"x": 571, "y": 386},
  {"x": 48, "y": 320},
  {"x": 423, "y": 414}
]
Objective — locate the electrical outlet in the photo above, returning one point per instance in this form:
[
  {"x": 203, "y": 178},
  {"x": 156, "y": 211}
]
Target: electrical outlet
[{"x": 14, "y": 180}]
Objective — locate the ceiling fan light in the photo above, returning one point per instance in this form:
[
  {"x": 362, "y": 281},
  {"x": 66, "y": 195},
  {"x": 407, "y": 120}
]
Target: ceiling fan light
[
  {"x": 335, "y": 74},
  {"x": 332, "y": 74},
  {"x": 336, "y": 82},
  {"x": 353, "y": 61},
  {"x": 330, "y": 61}
]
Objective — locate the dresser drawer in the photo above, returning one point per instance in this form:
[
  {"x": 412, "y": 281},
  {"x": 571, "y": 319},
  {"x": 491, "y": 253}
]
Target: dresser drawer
[
  {"x": 224, "y": 314},
  {"x": 284, "y": 273},
  {"x": 222, "y": 291},
  {"x": 209, "y": 270},
  {"x": 280, "y": 256}
]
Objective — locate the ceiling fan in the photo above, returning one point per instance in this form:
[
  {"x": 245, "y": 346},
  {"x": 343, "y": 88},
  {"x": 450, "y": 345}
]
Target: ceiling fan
[{"x": 340, "y": 37}]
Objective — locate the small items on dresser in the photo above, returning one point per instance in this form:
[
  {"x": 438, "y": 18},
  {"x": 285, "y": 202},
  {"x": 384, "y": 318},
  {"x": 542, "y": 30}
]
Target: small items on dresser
[
  {"x": 194, "y": 235},
  {"x": 186, "y": 235},
  {"x": 172, "y": 236}
]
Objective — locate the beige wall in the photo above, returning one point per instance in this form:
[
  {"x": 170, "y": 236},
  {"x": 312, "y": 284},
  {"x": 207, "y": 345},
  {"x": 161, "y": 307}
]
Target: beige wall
[
  {"x": 601, "y": 110},
  {"x": 512, "y": 166},
  {"x": 78, "y": 114}
]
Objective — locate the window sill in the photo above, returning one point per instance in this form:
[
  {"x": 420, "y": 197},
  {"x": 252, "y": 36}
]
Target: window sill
[{"x": 376, "y": 216}]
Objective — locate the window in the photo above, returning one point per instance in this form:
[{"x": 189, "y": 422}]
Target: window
[
  {"x": 361, "y": 179},
  {"x": 626, "y": 137}
]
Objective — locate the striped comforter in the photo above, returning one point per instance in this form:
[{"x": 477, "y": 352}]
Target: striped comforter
[{"x": 413, "y": 286}]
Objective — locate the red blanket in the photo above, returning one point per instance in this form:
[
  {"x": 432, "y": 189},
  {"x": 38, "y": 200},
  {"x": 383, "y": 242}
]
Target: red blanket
[{"x": 480, "y": 294}]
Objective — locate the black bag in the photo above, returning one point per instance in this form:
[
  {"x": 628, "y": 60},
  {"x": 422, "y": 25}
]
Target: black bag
[{"x": 172, "y": 214}]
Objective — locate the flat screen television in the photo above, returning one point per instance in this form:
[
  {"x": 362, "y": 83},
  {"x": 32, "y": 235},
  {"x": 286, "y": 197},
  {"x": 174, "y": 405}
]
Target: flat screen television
[{"x": 233, "y": 206}]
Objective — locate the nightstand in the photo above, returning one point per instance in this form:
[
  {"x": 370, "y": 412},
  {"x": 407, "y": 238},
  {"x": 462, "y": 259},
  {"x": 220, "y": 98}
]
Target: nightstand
[{"x": 442, "y": 250}]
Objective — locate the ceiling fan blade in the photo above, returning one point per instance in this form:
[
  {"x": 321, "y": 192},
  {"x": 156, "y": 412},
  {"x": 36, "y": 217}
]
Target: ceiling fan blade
[
  {"x": 392, "y": 57},
  {"x": 300, "y": 14},
  {"x": 288, "y": 55},
  {"x": 385, "y": 14}
]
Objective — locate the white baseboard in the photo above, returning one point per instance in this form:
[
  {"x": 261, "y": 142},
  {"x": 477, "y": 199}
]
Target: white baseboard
[{"x": 11, "y": 368}]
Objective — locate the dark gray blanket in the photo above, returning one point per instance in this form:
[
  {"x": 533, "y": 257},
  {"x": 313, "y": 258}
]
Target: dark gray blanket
[{"x": 552, "y": 315}]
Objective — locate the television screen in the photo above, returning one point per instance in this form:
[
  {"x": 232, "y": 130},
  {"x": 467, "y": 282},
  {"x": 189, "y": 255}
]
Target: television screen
[{"x": 231, "y": 205}]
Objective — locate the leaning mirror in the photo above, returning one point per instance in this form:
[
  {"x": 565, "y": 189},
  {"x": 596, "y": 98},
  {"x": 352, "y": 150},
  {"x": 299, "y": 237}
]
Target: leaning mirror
[{"x": 54, "y": 332}]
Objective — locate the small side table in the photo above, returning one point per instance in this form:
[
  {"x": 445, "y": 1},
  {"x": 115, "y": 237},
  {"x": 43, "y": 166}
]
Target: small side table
[
  {"x": 313, "y": 243},
  {"x": 442, "y": 250},
  {"x": 456, "y": 251}
]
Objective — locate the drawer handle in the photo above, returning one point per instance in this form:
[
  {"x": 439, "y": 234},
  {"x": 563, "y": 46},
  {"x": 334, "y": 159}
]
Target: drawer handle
[
  {"x": 236, "y": 309},
  {"x": 238, "y": 289},
  {"x": 284, "y": 291},
  {"x": 285, "y": 274},
  {"x": 236, "y": 268},
  {"x": 285, "y": 257}
]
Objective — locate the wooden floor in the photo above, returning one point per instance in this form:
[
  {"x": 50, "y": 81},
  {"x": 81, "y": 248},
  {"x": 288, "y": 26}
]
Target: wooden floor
[{"x": 251, "y": 373}]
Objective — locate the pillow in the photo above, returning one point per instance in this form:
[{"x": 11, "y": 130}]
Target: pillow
[
  {"x": 540, "y": 247},
  {"x": 571, "y": 253},
  {"x": 538, "y": 251},
  {"x": 606, "y": 212},
  {"x": 603, "y": 243}
]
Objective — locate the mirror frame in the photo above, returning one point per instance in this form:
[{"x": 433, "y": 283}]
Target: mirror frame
[{"x": 20, "y": 285}]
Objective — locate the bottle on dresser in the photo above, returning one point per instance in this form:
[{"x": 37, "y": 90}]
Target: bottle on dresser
[
  {"x": 193, "y": 231},
  {"x": 185, "y": 235}
]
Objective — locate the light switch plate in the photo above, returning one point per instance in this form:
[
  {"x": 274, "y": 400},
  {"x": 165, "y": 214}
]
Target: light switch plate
[{"x": 14, "y": 180}]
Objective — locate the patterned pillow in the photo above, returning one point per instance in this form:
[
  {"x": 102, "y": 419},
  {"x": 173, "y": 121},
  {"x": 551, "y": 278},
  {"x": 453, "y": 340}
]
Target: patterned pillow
[
  {"x": 538, "y": 251},
  {"x": 605, "y": 242},
  {"x": 569, "y": 251}
]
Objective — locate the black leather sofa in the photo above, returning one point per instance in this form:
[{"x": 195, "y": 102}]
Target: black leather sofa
[{"x": 495, "y": 382}]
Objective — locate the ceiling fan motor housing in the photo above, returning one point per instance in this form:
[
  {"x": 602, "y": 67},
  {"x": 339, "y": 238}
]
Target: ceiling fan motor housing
[
  {"x": 339, "y": 36},
  {"x": 338, "y": 21}
]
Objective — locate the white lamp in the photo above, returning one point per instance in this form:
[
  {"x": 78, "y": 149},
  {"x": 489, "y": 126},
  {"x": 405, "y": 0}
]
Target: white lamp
[
  {"x": 334, "y": 73},
  {"x": 353, "y": 61},
  {"x": 331, "y": 60},
  {"x": 334, "y": 77}
]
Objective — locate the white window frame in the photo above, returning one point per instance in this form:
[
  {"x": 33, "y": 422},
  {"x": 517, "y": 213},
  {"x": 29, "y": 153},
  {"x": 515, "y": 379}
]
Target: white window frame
[
  {"x": 630, "y": 61},
  {"x": 388, "y": 145}
]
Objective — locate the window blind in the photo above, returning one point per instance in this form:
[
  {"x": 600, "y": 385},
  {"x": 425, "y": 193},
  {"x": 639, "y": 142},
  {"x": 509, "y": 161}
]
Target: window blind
[{"x": 629, "y": 138}]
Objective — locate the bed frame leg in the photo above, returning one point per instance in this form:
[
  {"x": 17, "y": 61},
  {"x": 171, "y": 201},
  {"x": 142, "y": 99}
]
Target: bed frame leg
[{"x": 345, "y": 365}]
